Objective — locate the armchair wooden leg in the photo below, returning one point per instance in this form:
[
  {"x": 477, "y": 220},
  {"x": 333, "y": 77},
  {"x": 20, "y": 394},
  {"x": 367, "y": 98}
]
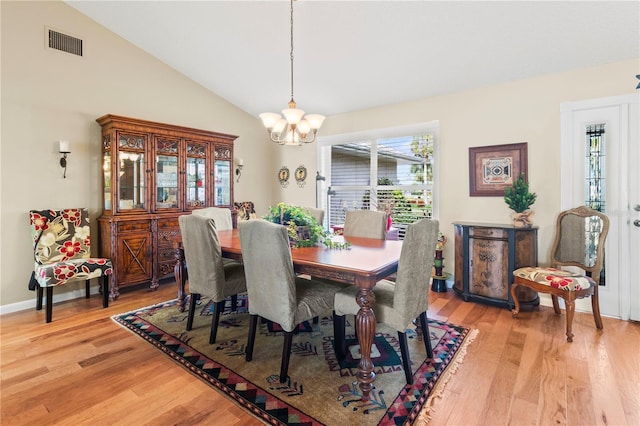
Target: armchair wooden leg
[
  {"x": 571, "y": 308},
  {"x": 105, "y": 291},
  {"x": 286, "y": 354},
  {"x": 215, "y": 321},
  {"x": 404, "y": 352},
  {"x": 516, "y": 302},
  {"x": 49, "y": 304},
  {"x": 253, "y": 324},
  {"x": 194, "y": 297},
  {"x": 87, "y": 289},
  {"x": 426, "y": 335},
  {"x": 556, "y": 305},
  {"x": 39, "y": 291},
  {"x": 595, "y": 308}
]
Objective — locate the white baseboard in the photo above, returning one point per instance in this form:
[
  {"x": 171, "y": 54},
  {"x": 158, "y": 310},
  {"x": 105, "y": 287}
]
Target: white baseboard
[{"x": 61, "y": 297}]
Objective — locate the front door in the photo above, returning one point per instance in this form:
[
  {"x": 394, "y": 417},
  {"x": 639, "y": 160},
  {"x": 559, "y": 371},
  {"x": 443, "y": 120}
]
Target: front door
[{"x": 617, "y": 119}]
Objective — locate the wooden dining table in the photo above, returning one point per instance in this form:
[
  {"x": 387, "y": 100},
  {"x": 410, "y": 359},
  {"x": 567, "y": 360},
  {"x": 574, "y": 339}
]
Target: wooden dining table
[{"x": 364, "y": 263}]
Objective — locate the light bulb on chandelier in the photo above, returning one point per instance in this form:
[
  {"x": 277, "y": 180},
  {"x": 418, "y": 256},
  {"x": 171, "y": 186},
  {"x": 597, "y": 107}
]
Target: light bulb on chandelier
[{"x": 295, "y": 128}]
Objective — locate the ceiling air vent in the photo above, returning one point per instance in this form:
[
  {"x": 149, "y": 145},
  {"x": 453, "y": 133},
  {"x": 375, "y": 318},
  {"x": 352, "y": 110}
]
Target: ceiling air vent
[{"x": 64, "y": 42}]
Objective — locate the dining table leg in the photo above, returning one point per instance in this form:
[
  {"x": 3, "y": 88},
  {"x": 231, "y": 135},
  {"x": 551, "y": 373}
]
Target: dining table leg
[{"x": 366, "y": 328}]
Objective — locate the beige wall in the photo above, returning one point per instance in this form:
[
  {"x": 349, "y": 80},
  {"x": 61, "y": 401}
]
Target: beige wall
[
  {"x": 521, "y": 111},
  {"x": 49, "y": 95}
]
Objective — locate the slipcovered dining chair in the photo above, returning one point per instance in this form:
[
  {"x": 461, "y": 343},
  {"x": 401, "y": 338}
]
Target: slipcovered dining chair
[
  {"x": 221, "y": 215},
  {"x": 62, "y": 252},
  {"x": 365, "y": 224},
  {"x": 579, "y": 242},
  {"x": 224, "y": 222},
  {"x": 275, "y": 292},
  {"x": 398, "y": 304},
  {"x": 318, "y": 214},
  {"x": 207, "y": 274}
]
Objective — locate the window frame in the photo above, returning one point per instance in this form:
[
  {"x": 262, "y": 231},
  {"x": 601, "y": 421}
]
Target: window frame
[{"x": 373, "y": 135}]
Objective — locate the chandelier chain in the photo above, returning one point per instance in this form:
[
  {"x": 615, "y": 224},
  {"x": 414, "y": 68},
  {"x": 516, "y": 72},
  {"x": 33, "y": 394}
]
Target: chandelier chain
[
  {"x": 295, "y": 128},
  {"x": 291, "y": 51}
]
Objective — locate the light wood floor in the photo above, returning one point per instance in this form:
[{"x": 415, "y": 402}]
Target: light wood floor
[{"x": 85, "y": 369}]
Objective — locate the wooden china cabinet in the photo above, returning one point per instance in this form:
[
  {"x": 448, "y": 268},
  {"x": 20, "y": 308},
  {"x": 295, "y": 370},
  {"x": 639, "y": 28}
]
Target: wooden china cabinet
[{"x": 152, "y": 174}]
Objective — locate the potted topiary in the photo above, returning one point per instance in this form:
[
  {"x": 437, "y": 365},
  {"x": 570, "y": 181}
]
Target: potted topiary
[
  {"x": 304, "y": 230},
  {"x": 519, "y": 199}
]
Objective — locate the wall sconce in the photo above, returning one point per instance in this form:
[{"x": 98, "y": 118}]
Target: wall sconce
[
  {"x": 239, "y": 166},
  {"x": 64, "y": 150}
]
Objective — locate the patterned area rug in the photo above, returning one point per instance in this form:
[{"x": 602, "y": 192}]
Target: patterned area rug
[{"x": 320, "y": 390}]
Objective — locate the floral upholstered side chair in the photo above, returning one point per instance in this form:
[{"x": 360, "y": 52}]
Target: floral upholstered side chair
[
  {"x": 579, "y": 243},
  {"x": 62, "y": 249}
]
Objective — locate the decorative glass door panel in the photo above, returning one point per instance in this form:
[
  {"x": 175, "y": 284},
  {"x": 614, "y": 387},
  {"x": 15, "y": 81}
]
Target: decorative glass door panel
[
  {"x": 196, "y": 174},
  {"x": 167, "y": 183},
  {"x": 222, "y": 187},
  {"x": 131, "y": 168},
  {"x": 106, "y": 173},
  {"x": 222, "y": 174}
]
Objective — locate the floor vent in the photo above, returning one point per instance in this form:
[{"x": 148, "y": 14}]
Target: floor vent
[{"x": 64, "y": 42}]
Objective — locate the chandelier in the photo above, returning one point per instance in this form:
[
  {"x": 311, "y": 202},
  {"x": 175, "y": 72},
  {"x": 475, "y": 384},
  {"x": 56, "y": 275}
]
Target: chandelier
[{"x": 295, "y": 128}]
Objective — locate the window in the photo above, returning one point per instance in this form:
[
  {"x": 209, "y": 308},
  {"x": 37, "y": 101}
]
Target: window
[
  {"x": 594, "y": 167},
  {"x": 595, "y": 188},
  {"x": 389, "y": 169}
]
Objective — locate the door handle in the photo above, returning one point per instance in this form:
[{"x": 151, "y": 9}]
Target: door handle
[{"x": 637, "y": 222}]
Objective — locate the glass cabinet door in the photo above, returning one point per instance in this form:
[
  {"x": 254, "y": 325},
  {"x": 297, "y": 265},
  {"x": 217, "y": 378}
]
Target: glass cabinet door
[
  {"x": 131, "y": 170},
  {"x": 166, "y": 196},
  {"x": 196, "y": 174},
  {"x": 222, "y": 187}
]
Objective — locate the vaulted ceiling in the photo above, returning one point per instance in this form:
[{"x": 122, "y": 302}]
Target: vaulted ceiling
[{"x": 353, "y": 55}]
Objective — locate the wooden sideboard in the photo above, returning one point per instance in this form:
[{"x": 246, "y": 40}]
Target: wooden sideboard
[
  {"x": 152, "y": 173},
  {"x": 486, "y": 256}
]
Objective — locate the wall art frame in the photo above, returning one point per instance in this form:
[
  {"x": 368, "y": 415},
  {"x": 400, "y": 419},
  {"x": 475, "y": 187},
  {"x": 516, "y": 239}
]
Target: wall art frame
[{"x": 496, "y": 167}]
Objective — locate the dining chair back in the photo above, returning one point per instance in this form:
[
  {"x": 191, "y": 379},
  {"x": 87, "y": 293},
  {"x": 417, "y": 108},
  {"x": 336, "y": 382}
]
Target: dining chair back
[
  {"x": 365, "y": 224},
  {"x": 274, "y": 291},
  {"x": 221, "y": 216},
  {"x": 62, "y": 252},
  {"x": 208, "y": 275},
  {"x": 401, "y": 302},
  {"x": 318, "y": 214}
]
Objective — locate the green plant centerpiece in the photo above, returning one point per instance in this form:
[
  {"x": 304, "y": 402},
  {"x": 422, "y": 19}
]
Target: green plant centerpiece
[
  {"x": 519, "y": 199},
  {"x": 303, "y": 229}
]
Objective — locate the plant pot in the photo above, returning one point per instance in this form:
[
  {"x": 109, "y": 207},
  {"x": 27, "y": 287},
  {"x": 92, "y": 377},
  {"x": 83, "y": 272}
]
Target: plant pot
[{"x": 523, "y": 219}]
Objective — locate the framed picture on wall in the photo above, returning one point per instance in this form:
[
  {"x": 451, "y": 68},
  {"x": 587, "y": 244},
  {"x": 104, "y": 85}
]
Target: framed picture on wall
[{"x": 494, "y": 168}]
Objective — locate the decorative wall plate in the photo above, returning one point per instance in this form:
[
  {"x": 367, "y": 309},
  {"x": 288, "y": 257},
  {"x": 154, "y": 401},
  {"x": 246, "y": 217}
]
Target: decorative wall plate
[
  {"x": 301, "y": 176},
  {"x": 283, "y": 176}
]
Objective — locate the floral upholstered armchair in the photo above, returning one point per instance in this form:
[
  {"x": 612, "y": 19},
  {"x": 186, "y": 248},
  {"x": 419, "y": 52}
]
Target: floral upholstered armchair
[
  {"x": 246, "y": 210},
  {"x": 62, "y": 249}
]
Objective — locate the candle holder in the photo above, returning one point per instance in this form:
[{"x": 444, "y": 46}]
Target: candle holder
[
  {"x": 64, "y": 150},
  {"x": 439, "y": 278}
]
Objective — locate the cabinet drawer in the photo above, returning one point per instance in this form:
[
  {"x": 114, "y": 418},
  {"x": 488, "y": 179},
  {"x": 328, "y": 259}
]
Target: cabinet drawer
[
  {"x": 168, "y": 236},
  {"x": 134, "y": 225},
  {"x": 168, "y": 223},
  {"x": 167, "y": 255},
  {"x": 488, "y": 232},
  {"x": 165, "y": 269}
]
